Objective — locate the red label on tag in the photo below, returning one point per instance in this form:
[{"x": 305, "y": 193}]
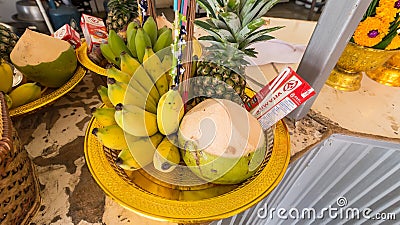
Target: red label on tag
[{"x": 279, "y": 97}]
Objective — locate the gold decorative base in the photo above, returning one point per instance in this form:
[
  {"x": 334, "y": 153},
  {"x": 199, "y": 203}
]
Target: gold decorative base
[
  {"x": 344, "y": 81},
  {"x": 387, "y": 75}
]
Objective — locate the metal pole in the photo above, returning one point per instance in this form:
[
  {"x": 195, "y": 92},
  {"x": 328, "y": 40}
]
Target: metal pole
[
  {"x": 44, "y": 14},
  {"x": 331, "y": 35}
]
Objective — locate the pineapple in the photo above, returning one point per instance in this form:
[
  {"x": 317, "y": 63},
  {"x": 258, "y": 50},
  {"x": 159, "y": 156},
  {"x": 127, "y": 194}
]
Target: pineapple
[
  {"x": 120, "y": 14},
  {"x": 8, "y": 39},
  {"x": 233, "y": 25}
]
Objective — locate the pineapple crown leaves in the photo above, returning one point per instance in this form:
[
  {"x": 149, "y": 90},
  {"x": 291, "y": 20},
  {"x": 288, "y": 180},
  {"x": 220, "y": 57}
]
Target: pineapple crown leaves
[{"x": 236, "y": 22}]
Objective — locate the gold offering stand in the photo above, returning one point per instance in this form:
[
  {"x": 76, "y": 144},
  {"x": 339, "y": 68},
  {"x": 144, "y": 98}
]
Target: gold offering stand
[{"x": 179, "y": 196}]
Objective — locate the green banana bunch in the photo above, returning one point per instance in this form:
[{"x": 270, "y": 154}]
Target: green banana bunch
[
  {"x": 126, "y": 161},
  {"x": 116, "y": 43},
  {"x": 142, "y": 149},
  {"x": 130, "y": 41},
  {"x": 150, "y": 27},
  {"x": 109, "y": 55},
  {"x": 24, "y": 94},
  {"x": 103, "y": 92},
  {"x": 6, "y": 76},
  {"x": 154, "y": 68},
  {"x": 164, "y": 40},
  {"x": 105, "y": 116},
  {"x": 167, "y": 155},
  {"x": 136, "y": 121},
  {"x": 120, "y": 92},
  {"x": 170, "y": 111},
  {"x": 142, "y": 41},
  {"x": 162, "y": 30},
  {"x": 112, "y": 137},
  {"x": 129, "y": 64},
  {"x": 143, "y": 78},
  {"x": 118, "y": 75}
]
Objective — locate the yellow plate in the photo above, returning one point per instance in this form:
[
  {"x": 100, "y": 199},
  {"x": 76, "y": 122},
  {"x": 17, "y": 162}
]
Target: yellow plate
[
  {"x": 83, "y": 58},
  {"x": 149, "y": 197},
  {"x": 50, "y": 97}
]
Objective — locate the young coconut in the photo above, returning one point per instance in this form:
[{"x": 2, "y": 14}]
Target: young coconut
[
  {"x": 221, "y": 142},
  {"x": 44, "y": 59}
]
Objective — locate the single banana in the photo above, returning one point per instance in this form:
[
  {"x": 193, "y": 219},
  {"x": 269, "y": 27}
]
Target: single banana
[
  {"x": 116, "y": 43},
  {"x": 129, "y": 64},
  {"x": 126, "y": 161},
  {"x": 8, "y": 101},
  {"x": 136, "y": 121},
  {"x": 112, "y": 137},
  {"x": 119, "y": 92},
  {"x": 144, "y": 79},
  {"x": 167, "y": 63},
  {"x": 24, "y": 94},
  {"x": 131, "y": 26},
  {"x": 103, "y": 92},
  {"x": 105, "y": 116},
  {"x": 6, "y": 76},
  {"x": 118, "y": 75},
  {"x": 142, "y": 41},
  {"x": 163, "y": 41},
  {"x": 170, "y": 111},
  {"x": 109, "y": 55},
  {"x": 154, "y": 68},
  {"x": 167, "y": 155},
  {"x": 162, "y": 30},
  {"x": 142, "y": 149},
  {"x": 130, "y": 41},
  {"x": 150, "y": 27}
]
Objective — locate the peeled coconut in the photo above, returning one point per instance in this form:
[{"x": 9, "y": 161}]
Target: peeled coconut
[
  {"x": 221, "y": 142},
  {"x": 44, "y": 59}
]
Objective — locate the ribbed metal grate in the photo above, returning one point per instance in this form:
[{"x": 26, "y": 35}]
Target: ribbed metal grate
[{"x": 349, "y": 174}]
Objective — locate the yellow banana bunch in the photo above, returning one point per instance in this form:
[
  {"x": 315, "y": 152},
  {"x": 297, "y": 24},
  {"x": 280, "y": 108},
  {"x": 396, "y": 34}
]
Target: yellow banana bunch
[
  {"x": 142, "y": 149},
  {"x": 103, "y": 93},
  {"x": 129, "y": 64},
  {"x": 120, "y": 92},
  {"x": 109, "y": 55},
  {"x": 154, "y": 68},
  {"x": 116, "y": 43},
  {"x": 112, "y": 137},
  {"x": 145, "y": 81},
  {"x": 136, "y": 121},
  {"x": 126, "y": 161},
  {"x": 150, "y": 27},
  {"x": 25, "y": 93},
  {"x": 6, "y": 76},
  {"x": 170, "y": 111},
  {"x": 167, "y": 155},
  {"x": 105, "y": 116},
  {"x": 8, "y": 101},
  {"x": 118, "y": 75}
]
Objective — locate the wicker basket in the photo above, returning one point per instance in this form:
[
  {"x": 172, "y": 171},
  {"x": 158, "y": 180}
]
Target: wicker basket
[{"x": 19, "y": 190}]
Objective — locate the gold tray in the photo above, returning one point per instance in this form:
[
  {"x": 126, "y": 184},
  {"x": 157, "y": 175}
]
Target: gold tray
[
  {"x": 149, "y": 197},
  {"x": 50, "y": 97},
  {"x": 84, "y": 59}
]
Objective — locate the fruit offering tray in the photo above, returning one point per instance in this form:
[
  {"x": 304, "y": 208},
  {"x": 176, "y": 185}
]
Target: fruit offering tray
[
  {"x": 84, "y": 59},
  {"x": 49, "y": 95},
  {"x": 154, "y": 198}
]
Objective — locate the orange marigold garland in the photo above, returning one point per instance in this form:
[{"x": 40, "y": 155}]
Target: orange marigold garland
[
  {"x": 395, "y": 43},
  {"x": 370, "y": 32}
]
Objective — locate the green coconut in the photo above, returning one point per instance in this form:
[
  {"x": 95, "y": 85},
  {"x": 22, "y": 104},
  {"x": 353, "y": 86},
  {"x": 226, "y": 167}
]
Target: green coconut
[
  {"x": 221, "y": 142},
  {"x": 44, "y": 59}
]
